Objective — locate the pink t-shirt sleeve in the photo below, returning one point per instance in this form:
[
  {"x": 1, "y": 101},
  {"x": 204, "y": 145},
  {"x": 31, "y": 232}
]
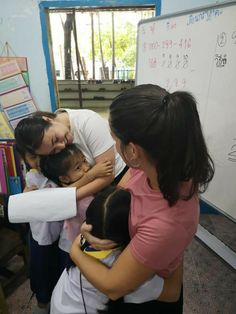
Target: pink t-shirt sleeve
[
  {"x": 159, "y": 233},
  {"x": 158, "y": 245}
]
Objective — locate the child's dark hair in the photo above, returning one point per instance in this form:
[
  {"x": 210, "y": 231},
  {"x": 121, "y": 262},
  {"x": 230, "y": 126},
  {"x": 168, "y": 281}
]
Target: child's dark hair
[
  {"x": 167, "y": 127},
  {"x": 56, "y": 165},
  {"x": 21, "y": 151},
  {"x": 108, "y": 213}
]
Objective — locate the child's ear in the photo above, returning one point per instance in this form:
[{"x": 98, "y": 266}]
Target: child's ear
[
  {"x": 64, "y": 179},
  {"x": 47, "y": 119}
]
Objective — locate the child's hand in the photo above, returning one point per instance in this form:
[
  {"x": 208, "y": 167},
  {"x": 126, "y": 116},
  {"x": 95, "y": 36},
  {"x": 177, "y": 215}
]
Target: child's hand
[
  {"x": 98, "y": 244},
  {"x": 30, "y": 188},
  {"x": 102, "y": 169}
]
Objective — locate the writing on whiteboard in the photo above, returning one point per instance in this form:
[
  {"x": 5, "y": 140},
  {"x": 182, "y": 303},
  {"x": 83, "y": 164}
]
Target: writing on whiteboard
[
  {"x": 152, "y": 62},
  {"x": 232, "y": 153},
  {"x": 221, "y": 39},
  {"x": 221, "y": 60},
  {"x": 177, "y": 61},
  {"x": 233, "y": 36},
  {"x": 182, "y": 43},
  {"x": 170, "y": 25},
  {"x": 204, "y": 16},
  {"x": 174, "y": 84}
]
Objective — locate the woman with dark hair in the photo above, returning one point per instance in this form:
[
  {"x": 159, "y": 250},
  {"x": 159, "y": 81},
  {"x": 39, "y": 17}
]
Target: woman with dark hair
[
  {"x": 46, "y": 133},
  {"x": 159, "y": 136}
]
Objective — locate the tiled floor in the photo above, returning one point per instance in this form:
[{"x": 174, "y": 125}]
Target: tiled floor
[{"x": 209, "y": 283}]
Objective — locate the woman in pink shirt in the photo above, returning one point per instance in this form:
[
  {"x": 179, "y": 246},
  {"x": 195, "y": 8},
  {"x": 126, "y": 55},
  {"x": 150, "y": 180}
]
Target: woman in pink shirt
[{"x": 159, "y": 136}]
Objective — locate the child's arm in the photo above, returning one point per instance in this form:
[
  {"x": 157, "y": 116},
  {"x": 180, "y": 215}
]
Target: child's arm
[
  {"x": 101, "y": 169},
  {"x": 99, "y": 183}
]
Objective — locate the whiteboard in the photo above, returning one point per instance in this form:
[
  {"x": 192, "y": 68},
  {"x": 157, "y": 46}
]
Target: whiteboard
[{"x": 195, "y": 51}]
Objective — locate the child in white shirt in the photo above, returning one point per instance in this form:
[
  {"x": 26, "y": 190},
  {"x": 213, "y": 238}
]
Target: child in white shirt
[
  {"x": 69, "y": 167},
  {"x": 45, "y": 255},
  {"x": 108, "y": 213}
]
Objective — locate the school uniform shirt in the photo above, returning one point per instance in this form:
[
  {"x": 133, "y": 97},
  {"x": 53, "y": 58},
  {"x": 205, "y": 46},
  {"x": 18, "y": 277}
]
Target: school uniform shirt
[
  {"x": 67, "y": 296},
  {"x": 159, "y": 233},
  {"x": 71, "y": 226},
  {"x": 92, "y": 134},
  {"x": 45, "y": 233}
]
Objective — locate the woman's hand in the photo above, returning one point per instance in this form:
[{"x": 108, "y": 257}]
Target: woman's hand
[
  {"x": 98, "y": 244},
  {"x": 30, "y": 188}
]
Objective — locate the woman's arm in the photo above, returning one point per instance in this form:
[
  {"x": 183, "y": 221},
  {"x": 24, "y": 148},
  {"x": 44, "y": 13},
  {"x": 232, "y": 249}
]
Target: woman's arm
[
  {"x": 124, "y": 179},
  {"x": 125, "y": 275},
  {"x": 172, "y": 286},
  {"x": 99, "y": 183}
]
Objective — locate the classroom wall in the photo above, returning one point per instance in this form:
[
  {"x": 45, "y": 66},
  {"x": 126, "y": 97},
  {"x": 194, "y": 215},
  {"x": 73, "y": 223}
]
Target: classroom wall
[{"x": 20, "y": 26}]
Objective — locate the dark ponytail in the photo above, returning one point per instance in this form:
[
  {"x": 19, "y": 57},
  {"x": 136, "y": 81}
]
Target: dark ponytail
[{"x": 168, "y": 128}]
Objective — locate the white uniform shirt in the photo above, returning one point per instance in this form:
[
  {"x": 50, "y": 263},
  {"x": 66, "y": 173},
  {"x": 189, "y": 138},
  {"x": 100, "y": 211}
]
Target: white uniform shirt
[
  {"x": 92, "y": 134},
  {"x": 71, "y": 227},
  {"x": 45, "y": 233},
  {"x": 67, "y": 297}
]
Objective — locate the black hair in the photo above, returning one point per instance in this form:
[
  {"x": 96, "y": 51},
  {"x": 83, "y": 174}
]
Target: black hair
[
  {"x": 29, "y": 131},
  {"x": 21, "y": 151},
  {"x": 108, "y": 213},
  {"x": 56, "y": 165},
  {"x": 167, "y": 126}
]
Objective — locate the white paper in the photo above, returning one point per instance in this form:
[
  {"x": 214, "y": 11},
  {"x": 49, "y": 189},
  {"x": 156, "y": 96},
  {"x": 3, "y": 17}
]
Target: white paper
[{"x": 50, "y": 204}]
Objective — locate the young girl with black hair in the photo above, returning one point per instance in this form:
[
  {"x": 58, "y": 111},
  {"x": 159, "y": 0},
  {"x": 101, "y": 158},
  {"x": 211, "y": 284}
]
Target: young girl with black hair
[
  {"x": 108, "y": 213},
  {"x": 47, "y": 261},
  {"x": 69, "y": 167}
]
